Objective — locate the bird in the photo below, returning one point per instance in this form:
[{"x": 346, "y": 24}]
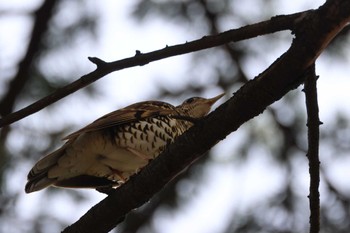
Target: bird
[{"x": 107, "y": 152}]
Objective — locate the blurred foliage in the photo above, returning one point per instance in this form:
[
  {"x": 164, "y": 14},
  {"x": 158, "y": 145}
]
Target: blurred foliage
[
  {"x": 280, "y": 133},
  {"x": 21, "y": 144}
]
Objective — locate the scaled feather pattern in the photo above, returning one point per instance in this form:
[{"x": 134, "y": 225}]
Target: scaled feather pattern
[{"x": 114, "y": 147}]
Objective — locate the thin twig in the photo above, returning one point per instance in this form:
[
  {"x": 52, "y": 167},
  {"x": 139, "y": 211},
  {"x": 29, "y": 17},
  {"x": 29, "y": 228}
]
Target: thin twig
[
  {"x": 277, "y": 23},
  {"x": 313, "y": 123}
]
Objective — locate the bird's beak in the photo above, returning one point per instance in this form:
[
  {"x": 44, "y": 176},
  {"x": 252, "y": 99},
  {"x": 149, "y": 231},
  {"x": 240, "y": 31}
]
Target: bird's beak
[{"x": 211, "y": 101}]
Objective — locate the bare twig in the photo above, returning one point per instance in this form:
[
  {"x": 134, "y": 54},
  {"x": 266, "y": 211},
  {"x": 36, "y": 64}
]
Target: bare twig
[
  {"x": 314, "y": 32},
  {"x": 277, "y": 23},
  {"x": 313, "y": 123}
]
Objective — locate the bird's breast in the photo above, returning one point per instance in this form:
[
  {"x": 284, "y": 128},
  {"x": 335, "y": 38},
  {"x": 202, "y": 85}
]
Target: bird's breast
[
  {"x": 117, "y": 152},
  {"x": 148, "y": 136}
]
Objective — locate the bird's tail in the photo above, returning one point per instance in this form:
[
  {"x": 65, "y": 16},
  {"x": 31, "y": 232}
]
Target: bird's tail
[{"x": 38, "y": 177}]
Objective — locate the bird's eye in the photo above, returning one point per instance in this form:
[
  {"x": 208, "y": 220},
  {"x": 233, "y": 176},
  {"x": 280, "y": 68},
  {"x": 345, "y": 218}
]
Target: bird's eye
[{"x": 190, "y": 100}]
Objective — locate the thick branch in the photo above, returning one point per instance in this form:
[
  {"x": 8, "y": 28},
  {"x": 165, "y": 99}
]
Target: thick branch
[
  {"x": 313, "y": 34},
  {"x": 313, "y": 123},
  {"x": 277, "y": 23}
]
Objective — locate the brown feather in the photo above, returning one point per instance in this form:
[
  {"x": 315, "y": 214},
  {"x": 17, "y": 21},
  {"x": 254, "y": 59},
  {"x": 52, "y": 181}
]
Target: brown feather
[
  {"x": 117, "y": 145},
  {"x": 131, "y": 113}
]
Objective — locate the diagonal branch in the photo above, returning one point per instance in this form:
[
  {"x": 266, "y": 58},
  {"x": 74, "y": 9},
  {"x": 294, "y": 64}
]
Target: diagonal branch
[
  {"x": 42, "y": 18},
  {"x": 277, "y": 23},
  {"x": 313, "y": 33},
  {"x": 16, "y": 85}
]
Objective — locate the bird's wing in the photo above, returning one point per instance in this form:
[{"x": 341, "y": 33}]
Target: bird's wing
[{"x": 128, "y": 114}]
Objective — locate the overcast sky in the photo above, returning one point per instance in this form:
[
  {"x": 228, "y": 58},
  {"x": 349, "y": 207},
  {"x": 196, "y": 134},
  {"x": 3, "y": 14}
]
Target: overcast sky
[{"x": 119, "y": 37}]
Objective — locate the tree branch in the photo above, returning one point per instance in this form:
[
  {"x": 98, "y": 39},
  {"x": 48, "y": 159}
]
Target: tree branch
[
  {"x": 276, "y": 23},
  {"x": 42, "y": 18},
  {"x": 313, "y": 32},
  {"x": 313, "y": 123},
  {"x": 16, "y": 85}
]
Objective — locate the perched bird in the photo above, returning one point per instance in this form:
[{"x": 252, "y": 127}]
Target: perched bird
[{"x": 108, "y": 151}]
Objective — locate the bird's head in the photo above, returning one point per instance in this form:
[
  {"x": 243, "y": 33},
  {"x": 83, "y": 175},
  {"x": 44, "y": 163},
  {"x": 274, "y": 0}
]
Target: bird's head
[{"x": 197, "y": 107}]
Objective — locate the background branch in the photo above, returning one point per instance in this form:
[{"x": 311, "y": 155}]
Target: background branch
[
  {"x": 282, "y": 76},
  {"x": 313, "y": 123},
  {"x": 42, "y": 18},
  {"x": 277, "y": 23},
  {"x": 41, "y": 21}
]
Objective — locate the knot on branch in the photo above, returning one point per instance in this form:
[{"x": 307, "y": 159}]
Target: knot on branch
[
  {"x": 97, "y": 61},
  {"x": 138, "y": 53}
]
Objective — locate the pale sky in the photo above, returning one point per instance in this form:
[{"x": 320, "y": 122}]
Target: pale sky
[{"x": 119, "y": 37}]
